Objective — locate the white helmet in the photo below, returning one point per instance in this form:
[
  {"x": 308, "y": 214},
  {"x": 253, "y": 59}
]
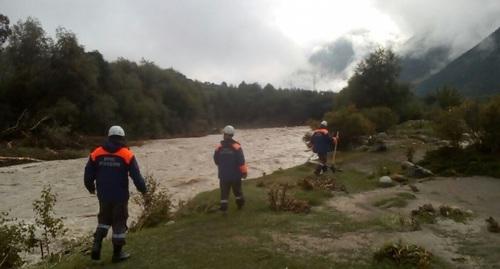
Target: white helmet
[
  {"x": 229, "y": 130},
  {"x": 324, "y": 123},
  {"x": 116, "y": 130}
]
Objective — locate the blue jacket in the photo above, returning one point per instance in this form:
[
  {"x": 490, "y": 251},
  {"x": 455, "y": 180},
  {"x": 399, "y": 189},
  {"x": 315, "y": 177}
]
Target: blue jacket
[
  {"x": 230, "y": 160},
  {"x": 322, "y": 142},
  {"x": 108, "y": 169}
]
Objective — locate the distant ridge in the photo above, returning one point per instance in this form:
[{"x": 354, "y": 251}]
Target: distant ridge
[{"x": 476, "y": 73}]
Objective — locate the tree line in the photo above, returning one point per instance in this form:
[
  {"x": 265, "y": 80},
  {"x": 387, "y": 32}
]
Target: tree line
[{"x": 51, "y": 88}]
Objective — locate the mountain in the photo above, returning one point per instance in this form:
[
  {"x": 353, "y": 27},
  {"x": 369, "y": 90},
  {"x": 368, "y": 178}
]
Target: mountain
[
  {"x": 476, "y": 73},
  {"x": 414, "y": 69},
  {"x": 419, "y": 60}
]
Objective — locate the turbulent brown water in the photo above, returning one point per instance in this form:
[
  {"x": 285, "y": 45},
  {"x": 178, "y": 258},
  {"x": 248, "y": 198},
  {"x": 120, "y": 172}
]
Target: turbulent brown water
[{"x": 184, "y": 166}]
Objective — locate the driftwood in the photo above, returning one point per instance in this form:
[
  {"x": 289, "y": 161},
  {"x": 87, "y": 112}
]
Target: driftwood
[
  {"x": 44, "y": 119},
  {"x": 14, "y": 128},
  {"x": 22, "y": 159},
  {"x": 22, "y": 126}
]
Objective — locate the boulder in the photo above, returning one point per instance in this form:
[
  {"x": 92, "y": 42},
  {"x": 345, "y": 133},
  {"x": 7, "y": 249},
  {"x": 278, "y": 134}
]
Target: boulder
[
  {"x": 381, "y": 136},
  {"x": 386, "y": 181}
]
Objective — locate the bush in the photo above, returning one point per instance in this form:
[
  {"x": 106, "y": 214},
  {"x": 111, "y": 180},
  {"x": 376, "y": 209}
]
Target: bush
[
  {"x": 466, "y": 162},
  {"x": 490, "y": 125},
  {"x": 279, "y": 200},
  {"x": 350, "y": 123},
  {"x": 14, "y": 239},
  {"x": 450, "y": 125},
  {"x": 383, "y": 117},
  {"x": 320, "y": 183},
  {"x": 412, "y": 110},
  {"x": 448, "y": 97},
  {"x": 404, "y": 255},
  {"x": 51, "y": 227},
  {"x": 156, "y": 206}
]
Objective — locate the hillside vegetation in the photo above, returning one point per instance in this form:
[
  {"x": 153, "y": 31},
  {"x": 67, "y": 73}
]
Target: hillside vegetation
[{"x": 52, "y": 89}]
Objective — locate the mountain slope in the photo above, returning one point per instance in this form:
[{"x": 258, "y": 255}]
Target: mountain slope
[
  {"x": 419, "y": 60},
  {"x": 476, "y": 73}
]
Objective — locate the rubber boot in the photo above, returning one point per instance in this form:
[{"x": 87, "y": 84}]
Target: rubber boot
[
  {"x": 99, "y": 235},
  {"x": 324, "y": 168},
  {"x": 317, "y": 172},
  {"x": 333, "y": 168},
  {"x": 240, "y": 203},
  {"x": 118, "y": 254}
]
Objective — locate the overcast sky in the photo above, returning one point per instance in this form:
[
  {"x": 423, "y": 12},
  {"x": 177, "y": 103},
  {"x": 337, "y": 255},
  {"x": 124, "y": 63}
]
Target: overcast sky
[{"x": 284, "y": 42}]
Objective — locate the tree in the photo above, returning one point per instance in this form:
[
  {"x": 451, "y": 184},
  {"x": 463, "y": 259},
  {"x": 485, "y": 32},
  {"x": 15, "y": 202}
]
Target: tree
[
  {"x": 375, "y": 82},
  {"x": 4, "y": 29},
  {"x": 447, "y": 97}
]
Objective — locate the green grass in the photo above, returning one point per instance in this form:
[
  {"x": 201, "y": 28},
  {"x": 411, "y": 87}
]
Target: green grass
[
  {"x": 399, "y": 201},
  {"x": 467, "y": 162},
  {"x": 201, "y": 238}
]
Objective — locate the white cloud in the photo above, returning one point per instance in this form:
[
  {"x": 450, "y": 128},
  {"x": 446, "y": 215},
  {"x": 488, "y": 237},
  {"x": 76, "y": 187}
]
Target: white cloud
[{"x": 258, "y": 40}]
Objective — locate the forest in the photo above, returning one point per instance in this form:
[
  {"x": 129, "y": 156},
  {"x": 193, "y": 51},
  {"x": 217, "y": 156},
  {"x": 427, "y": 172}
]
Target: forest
[{"x": 52, "y": 89}]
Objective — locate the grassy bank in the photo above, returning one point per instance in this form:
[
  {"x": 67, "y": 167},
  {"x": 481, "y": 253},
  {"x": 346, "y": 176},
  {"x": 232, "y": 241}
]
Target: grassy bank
[{"x": 255, "y": 237}]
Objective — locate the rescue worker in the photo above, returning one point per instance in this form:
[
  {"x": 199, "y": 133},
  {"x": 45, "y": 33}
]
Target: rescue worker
[
  {"x": 230, "y": 161},
  {"x": 107, "y": 171},
  {"x": 322, "y": 144}
]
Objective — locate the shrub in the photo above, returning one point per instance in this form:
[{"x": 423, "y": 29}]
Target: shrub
[
  {"x": 425, "y": 214},
  {"x": 490, "y": 125},
  {"x": 320, "y": 183},
  {"x": 14, "y": 239},
  {"x": 51, "y": 227},
  {"x": 156, "y": 206},
  {"x": 450, "y": 125},
  {"x": 404, "y": 255},
  {"x": 470, "y": 112},
  {"x": 350, "y": 123},
  {"x": 456, "y": 214},
  {"x": 412, "y": 109},
  {"x": 493, "y": 226},
  {"x": 383, "y": 117},
  {"x": 279, "y": 200},
  {"x": 410, "y": 154},
  {"x": 448, "y": 97}
]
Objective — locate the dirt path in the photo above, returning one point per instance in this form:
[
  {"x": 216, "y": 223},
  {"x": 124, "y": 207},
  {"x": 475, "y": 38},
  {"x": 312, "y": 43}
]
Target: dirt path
[
  {"x": 184, "y": 167},
  {"x": 466, "y": 245}
]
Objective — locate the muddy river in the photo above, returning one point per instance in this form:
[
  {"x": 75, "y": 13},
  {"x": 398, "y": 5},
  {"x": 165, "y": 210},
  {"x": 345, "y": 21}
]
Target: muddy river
[{"x": 184, "y": 166}]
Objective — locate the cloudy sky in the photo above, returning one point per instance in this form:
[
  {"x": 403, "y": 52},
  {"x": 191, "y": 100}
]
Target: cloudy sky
[{"x": 289, "y": 43}]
